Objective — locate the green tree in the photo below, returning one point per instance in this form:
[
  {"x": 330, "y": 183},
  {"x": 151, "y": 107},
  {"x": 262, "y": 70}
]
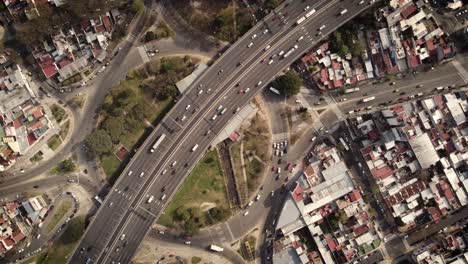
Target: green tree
[
  {"x": 219, "y": 214},
  {"x": 137, "y": 6},
  {"x": 343, "y": 50},
  {"x": 289, "y": 83},
  {"x": 67, "y": 165},
  {"x": 99, "y": 142},
  {"x": 271, "y": 4},
  {"x": 191, "y": 227},
  {"x": 114, "y": 127},
  {"x": 149, "y": 36}
]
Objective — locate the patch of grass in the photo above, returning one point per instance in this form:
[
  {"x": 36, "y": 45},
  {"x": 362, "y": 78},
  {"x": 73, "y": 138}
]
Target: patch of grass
[
  {"x": 79, "y": 100},
  {"x": 196, "y": 260},
  {"x": 72, "y": 79},
  {"x": 110, "y": 164},
  {"x": 204, "y": 184},
  {"x": 59, "y": 212},
  {"x": 54, "y": 142},
  {"x": 37, "y": 157},
  {"x": 58, "y": 112},
  {"x": 62, "y": 248},
  {"x": 64, "y": 128}
]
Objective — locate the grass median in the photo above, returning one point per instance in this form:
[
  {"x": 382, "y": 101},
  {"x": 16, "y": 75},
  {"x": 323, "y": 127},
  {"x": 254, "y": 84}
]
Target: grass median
[
  {"x": 204, "y": 186},
  {"x": 59, "y": 212}
]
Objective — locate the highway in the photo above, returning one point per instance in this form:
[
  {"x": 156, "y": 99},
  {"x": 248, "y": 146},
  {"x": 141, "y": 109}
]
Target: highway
[{"x": 126, "y": 215}]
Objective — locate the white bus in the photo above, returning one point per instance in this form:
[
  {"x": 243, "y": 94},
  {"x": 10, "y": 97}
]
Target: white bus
[
  {"x": 300, "y": 20},
  {"x": 368, "y": 99},
  {"x": 311, "y": 12},
  {"x": 216, "y": 248},
  {"x": 344, "y": 144},
  {"x": 157, "y": 143},
  {"x": 351, "y": 90},
  {"x": 273, "y": 89}
]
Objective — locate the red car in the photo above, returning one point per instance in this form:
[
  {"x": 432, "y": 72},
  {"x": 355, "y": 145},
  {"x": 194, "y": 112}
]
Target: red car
[
  {"x": 241, "y": 91},
  {"x": 289, "y": 166},
  {"x": 273, "y": 168}
]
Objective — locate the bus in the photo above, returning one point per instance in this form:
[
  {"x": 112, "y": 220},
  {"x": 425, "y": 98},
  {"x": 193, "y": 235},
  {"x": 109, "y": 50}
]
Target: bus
[
  {"x": 368, "y": 99},
  {"x": 157, "y": 143},
  {"x": 351, "y": 90},
  {"x": 300, "y": 20},
  {"x": 273, "y": 89},
  {"x": 216, "y": 248},
  {"x": 344, "y": 144},
  {"x": 311, "y": 12}
]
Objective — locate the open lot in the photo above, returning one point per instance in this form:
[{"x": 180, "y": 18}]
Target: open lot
[{"x": 204, "y": 185}]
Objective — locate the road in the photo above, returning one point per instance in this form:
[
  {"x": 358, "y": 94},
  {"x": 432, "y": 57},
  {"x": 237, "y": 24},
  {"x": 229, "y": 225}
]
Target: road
[{"x": 126, "y": 210}]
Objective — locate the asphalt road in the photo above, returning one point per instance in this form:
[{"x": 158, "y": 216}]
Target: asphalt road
[{"x": 126, "y": 209}]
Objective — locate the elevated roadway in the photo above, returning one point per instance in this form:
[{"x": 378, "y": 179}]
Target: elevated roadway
[{"x": 126, "y": 215}]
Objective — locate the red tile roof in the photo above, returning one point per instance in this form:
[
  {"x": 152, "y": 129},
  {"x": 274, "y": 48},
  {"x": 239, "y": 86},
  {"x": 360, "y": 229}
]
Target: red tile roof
[
  {"x": 100, "y": 29},
  {"x": 48, "y": 68},
  {"x": 355, "y": 195},
  {"x": 107, "y": 23},
  {"x": 406, "y": 193},
  {"x": 382, "y": 173},
  {"x": 2, "y": 248},
  {"x": 435, "y": 213},
  {"x": 408, "y": 11},
  {"x": 9, "y": 242},
  {"x": 16, "y": 123},
  {"x": 234, "y": 136},
  {"x": 18, "y": 236},
  {"x": 64, "y": 62},
  {"x": 297, "y": 193},
  {"x": 331, "y": 242},
  {"x": 37, "y": 113},
  {"x": 360, "y": 230},
  {"x": 309, "y": 171}
]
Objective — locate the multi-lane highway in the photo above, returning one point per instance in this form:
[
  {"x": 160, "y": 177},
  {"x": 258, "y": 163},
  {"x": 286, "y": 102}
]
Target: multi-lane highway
[{"x": 127, "y": 214}]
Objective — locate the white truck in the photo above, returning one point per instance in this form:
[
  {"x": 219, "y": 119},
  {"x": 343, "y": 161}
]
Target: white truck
[
  {"x": 351, "y": 90},
  {"x": 368, "y": 99},
  {"x": 216, "y": 248},
  {"x": 157, "y": 143}
]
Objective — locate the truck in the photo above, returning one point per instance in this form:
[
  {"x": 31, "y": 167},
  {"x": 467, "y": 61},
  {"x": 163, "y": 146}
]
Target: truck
[
  {"x": 157, "y": 143},
  {"x": 300, "y": 20},
  {"x": 216, "y": 248},
  {"x": 368, "y": 99},
  {"x": 273, "y": 89},
  {"x": 311, "y": 12},
  {"x": 194, "y": 147},
  {"x": 351, "y": 90}
]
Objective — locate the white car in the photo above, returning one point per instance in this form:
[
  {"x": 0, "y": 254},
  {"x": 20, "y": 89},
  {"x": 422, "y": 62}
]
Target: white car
[
  {"x": 258, "y": 197},
  {"x": 306, "y": 8},
  {"x": 250, "y": 203},
  {"x": 250, "y": 45},
  {"x": 270, "y": 62},
  {"x": 259, "y": 83},
  {"x": 313, "y": 139},
  {"x": 164, "y": 172},
  {"x": 187, "y": 107},
  {"x": 267, "y": 47},
  {"x": 300, "y": 38},
  {"x": 265, "y": 31},
  {"x": 246, "y": 213},
  {"x": 122, "y": 237},
  {"x": 142, "y": 174},
  {"x": 254, "y": 36},
  {"x": 247, "y": 90},
  {"x": 343, "y": 99},
  {"x": 130, "y": 173}
]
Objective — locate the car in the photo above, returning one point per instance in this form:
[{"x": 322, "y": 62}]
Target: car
[
  {"x": 250, "y": 203},
  {"x": 259, "y": 83},
  {"x": 272, "y": 193},
  {"x": 163, "y": 172},
  {"x": 122, "y": 237},
  {"x": 267, "y": 47},
  {"x": 343, "y": 99},
  {"x": 278, "y": 170},
  {"x": 258, "y": 197},
  {"x": 237, "y": 110},
  {"x": 250, "y": 45},
  {"x": 246, "y": 213},
  {"x": 396, "y": 90},
  {"x": 187, "y": 107},
  {"x": 110, "y": 204},
  {"x": 306, "y": 8},
  {"x": 130, "y": 173},
  {"x": 278, "y": 177},
  {"x": 392, "y": 83},
  {"x": 241, "y": 91},
  {"x": 188, "y": 242},
  {"x": 300, "y": 38},
  {"x": 273, "y": 168},
  {"x": 361, "y": 2},
  {"x": 279, "y": 161},
  {"x": 247, "y": 90},
  {"x": 200, "y": 92},
  {"x": 163, "y": 196},
  {"x": 270, "y": 62},
  {"x": 117, "y": 249},
  {"x": 265, "y": 31},
  {"x": 313, "y": 138},
  {"x": 419, "y": 86},
  {"x": 142, "y": 174},
  {"x": 254, "y": 36}
]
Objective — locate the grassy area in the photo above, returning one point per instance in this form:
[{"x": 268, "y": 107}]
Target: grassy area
[
  {"x": 204, "y": 184},
  {"x": 58, "y": 112},
  {"x": 109, "y": 164},
  {"x": 54, "y": 142},
  {"x": 73, "y": 79},
  {"x": 79, "y": 100},
  {"x": 196, "y": 260},
  {"x": 62, "y": 248},
  {"x": 59, "y": 212},
  {"x": 64, "y": 128},
  {"x": 37, "y": 157}
]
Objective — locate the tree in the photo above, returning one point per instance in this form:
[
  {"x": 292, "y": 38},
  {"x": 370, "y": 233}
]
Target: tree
[
  {"x": 289, "y": 84},
  {"x": 137, "y": 6},
  {"x": 191, "y": 228},
  {"x": 219, "y": 214},
  {"x": 343, "y": 50},
  {"x": 149, "y": 36},
  {"x": 67, "y": 165},
  {"x": 99, "y": 142},
  {"x": 271, "y": 4},
  {"x": 113, "y": 126}
]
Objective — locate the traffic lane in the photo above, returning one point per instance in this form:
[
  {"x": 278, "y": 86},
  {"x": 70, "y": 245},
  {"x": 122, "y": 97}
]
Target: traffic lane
[
  {"x": 49, "y": 182},
  {"x": 389, "y": 95}
]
